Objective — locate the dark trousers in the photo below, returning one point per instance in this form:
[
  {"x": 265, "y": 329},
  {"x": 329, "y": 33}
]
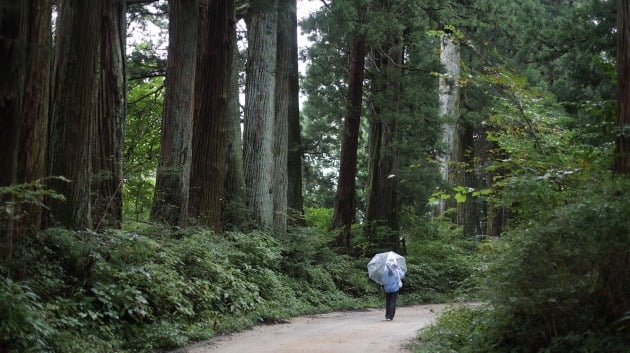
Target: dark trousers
[{"x": 390, "y": 305}]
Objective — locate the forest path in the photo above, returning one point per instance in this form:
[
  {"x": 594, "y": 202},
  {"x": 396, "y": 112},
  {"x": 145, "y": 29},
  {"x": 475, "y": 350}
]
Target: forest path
[{"x": 348, "y": 332}]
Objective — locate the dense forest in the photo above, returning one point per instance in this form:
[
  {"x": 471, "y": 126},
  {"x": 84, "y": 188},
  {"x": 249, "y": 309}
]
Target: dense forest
[{"x": 171, "y": 170}]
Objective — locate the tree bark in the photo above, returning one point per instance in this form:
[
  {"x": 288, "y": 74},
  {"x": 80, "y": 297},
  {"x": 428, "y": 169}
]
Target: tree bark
[
  {"x": 464, "y": 175},
  {"x": 76, "y": 86},
  {"x": 13, "y": 28},
  {"x": 496, "y": 219},
  {"x": 107, "y": 160},
  {"x": 170, "y": 204},
  {"x": 382, "y": 201},
  {"x": 622, "y": 141},
  {"x": 295, "y": 200},
  {"x": 235, "y": 213},
  {"x": 212, "y": 96},
  {"x": 449, "y": 111},
  {"x": 259, "y": 110},
  {"x": 284, "y": 71},
  {"x": 35, "y": 109},
  {"x": 345, "y": 203}
]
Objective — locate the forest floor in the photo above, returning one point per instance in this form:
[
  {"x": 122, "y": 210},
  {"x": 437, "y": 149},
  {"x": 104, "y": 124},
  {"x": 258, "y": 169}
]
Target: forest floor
[{"x": 348, "y": 332}]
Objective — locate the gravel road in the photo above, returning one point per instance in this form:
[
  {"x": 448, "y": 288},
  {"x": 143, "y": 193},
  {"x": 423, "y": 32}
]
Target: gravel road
[{"x": 338, "y": 332}]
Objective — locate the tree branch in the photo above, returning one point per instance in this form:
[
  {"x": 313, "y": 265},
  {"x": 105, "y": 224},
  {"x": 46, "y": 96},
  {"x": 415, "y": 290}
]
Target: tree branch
[
  {"x": 152, "y": 92},
  {"x": 134, "y": 2},
  {"x": 242, "y": 6},
  {"x": 153, "y": 74}
]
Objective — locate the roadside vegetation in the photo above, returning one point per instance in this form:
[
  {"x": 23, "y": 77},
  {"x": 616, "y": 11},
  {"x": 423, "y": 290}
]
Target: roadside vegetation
[
  {"x": 148, "y": 288},
  {"x": 559, "y": 282}
]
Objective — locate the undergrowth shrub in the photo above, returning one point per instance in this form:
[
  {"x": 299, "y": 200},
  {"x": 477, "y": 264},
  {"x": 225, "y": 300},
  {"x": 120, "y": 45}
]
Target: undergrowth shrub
[
  {"x": 457, "y": 330},
  {"x": 23, "y": 327},
  {"x": 318, "y": 218},
  {"x": 149, "y": 289},
  {"x": 152, "y": 288},
  {"x": 566, "y": 277},
  {"x": 442, "y": 264},
  {"x": 561, "y": 283}
]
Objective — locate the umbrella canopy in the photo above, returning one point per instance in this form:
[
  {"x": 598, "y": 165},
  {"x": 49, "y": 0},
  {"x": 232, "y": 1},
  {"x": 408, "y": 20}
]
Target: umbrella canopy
[{"x": 378, "y": 263}]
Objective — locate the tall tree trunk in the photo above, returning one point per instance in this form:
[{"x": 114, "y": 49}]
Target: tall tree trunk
[
  {"x": 13, "y": 35},
  {"x": 345, "y": 203},
  {"x": 25, "y": 47},
  {"x": 466, "y": 215},
  {"x": 382, "y": 201},
  {"x": 496, "y": 219},
  {"x": 212, "y": 97},
  {"x": 284, "y": 70},
  {"x": 108, "y": 137},
  {"x": 170, "y": 204},
  {"x": 76, "y": 86},
  {"x": 35, "y": 108},
  {"x": 449, "y": 110},
  {"x": 259, "y": 109},
  {"x": 295, "y": 200},
  {"x": 496, "y": 215},
  {"x": 235, "y": 212},
  {"x": 622, "y": 141}
]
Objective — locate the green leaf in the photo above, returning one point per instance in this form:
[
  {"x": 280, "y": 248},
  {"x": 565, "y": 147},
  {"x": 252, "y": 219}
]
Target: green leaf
[{"x": 459, "y": 188}]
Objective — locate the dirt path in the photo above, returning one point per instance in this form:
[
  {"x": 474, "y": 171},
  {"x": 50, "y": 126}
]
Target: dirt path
[{"x": 348, "y": 332}]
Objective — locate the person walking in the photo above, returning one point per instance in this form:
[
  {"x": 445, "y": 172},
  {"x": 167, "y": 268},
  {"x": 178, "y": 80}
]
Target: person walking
[{"x": 392, "y": 282}]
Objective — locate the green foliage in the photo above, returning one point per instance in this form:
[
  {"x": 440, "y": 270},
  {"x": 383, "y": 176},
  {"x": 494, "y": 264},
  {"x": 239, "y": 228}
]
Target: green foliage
[
  {"x": 457, "y": 330},
  {"x": 561, "y": 283},
  {"x": 563, "y": 250},
  {"x": 146, "y": 66},
  {"x": 31, "y": 192},
  {"x": 142, "y": 144},
  {"x": 23, "y": 324},
  {"x": 318, "y": 218},
  {"x": 538, "y": 154},
  {"x": 325, "y": 84},
  {"x": 16, "y": 196},
  {"x": 444, "y": 264},
  {"x": 150, "y": 289},
  {"x": 568, "y": 270},
  {"x": 459, "y": 193}
]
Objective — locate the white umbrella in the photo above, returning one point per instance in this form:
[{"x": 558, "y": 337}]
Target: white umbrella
[{"x": 377, "y": 265}]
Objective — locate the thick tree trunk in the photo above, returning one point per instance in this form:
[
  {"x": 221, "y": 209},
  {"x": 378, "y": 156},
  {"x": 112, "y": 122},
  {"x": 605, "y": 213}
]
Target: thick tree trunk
[
  {"x": 13, "y": 35},
  {"x": 284, "y": 98},
  {"x": 259, "y": 109},
  {"x": 466, "y": 215},
  {"x": 212, "y": 97},
  {"x": 345, "y": 203},
  {"x": 76, "y": 86},
  {"x": 295, "y": 200},
  {"x": 170, "y": 204},
  {"x": 35, "y": 108},
  {"x": 622, "y": 141},
  {"x": 382, "y": 202},
  {"x": 449, "y": 110},
  {"x": 108, "y": 137},
  {"x": 496, "y": 220},
  {"x": 235, "y": 213}
]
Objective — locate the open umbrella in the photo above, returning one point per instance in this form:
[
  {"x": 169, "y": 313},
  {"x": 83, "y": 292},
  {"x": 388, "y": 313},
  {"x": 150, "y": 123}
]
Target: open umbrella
[{"x": 377, "y": 264}]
